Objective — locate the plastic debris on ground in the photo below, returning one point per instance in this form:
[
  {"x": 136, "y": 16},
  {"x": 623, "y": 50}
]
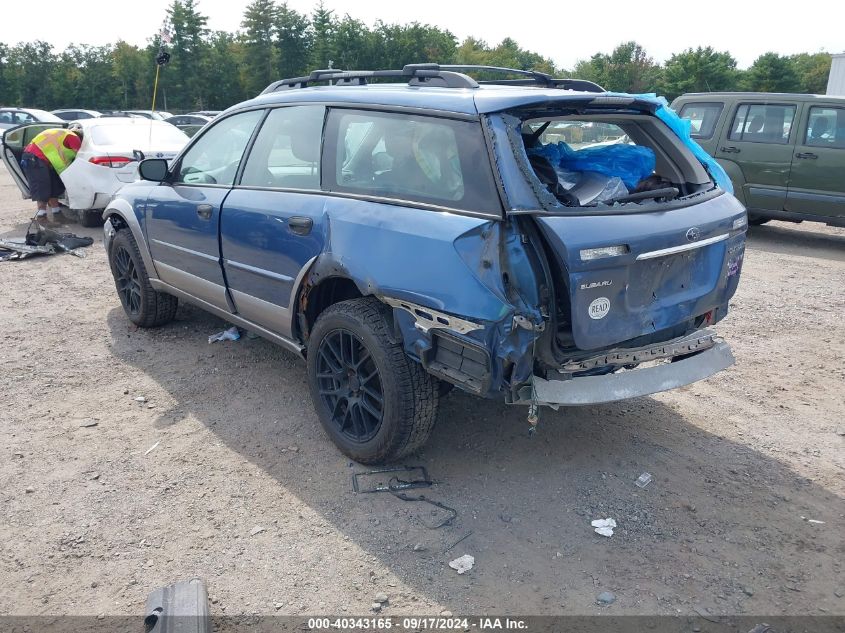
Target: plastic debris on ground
[
  {"x": 43, "y": 241},
  {"x": 604, "y": 527},
  {"x": 232, "y": 334},
  {"x": 462, "y": 564},
  {"x": 643, "y": 480}
]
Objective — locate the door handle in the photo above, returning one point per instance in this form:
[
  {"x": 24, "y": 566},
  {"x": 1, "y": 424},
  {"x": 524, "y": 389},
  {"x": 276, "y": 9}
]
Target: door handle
[
  {"x": 806, "y": 155},
  {"x": 300, "y": 225},
  {"x": 729, "y": 149},
  {"x": 204, "y": 211}
]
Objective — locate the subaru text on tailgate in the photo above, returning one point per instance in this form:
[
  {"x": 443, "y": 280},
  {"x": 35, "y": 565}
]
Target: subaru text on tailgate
[{"x": 535, "y": 240}]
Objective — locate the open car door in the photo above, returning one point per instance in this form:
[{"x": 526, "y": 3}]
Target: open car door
[{"x": 14, "y": 141}]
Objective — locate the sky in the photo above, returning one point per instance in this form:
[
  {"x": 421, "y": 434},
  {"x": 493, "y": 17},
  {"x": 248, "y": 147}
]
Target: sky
[{"x": 563, "y": 31}]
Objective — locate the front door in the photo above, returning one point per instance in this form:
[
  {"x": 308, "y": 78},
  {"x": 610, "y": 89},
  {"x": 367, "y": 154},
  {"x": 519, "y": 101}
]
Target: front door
[
  {"x": 817, "y": 181},
  {"x": 183, "y": 214},
  {"x": 271, "y": 225},
  {"x": 760, "y": 140},
  {"x": 14, "y": 141}
]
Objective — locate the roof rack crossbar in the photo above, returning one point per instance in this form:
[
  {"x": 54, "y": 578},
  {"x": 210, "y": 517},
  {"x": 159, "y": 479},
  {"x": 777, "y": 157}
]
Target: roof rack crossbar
[
  {"x": 417, "y": 74},
  {"x": 533, "y": 77}
]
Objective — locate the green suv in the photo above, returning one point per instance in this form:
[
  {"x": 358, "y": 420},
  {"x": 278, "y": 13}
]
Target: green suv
[{"x": 784, "y": 152}]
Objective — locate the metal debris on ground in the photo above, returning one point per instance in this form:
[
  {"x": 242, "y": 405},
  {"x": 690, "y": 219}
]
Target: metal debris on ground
[
  {"x": 460, "y": 540},
  {"x": 232, "y": 334},
  {"x": 643, "y": 480},
  {"x": 182, "y": 606},
  {"x": 393, "y": 484},
  {"x": 604, "y": 526},
  {"x": 452, "y": 513},
  {"x": 462, "y": 564}
]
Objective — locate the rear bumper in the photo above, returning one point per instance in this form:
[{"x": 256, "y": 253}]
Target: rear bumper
[{"x": 632, "y": 383}]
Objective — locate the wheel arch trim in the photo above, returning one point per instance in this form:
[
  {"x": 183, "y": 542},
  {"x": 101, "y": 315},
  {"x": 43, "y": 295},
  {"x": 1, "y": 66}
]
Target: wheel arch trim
[{"x": 125, "y": 212}]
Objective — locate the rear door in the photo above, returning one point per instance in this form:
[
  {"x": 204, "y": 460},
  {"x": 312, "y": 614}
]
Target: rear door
[
  {"x": 759, "y": 139},
  {"x": 272, "y": 223},
  {"x": 14, "y": 141},
  {"x": 183, "y": 214},
  {"x": 817, "y": 180}
]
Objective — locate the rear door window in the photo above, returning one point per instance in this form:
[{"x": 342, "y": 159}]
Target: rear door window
[
  {"x": 286, "y": 153},
  {"x": 825, "y": 127},
  {"x": 702, "y": 117},
  {"x": 763, "y": 123},
  {"x": 425, "y": 159}
]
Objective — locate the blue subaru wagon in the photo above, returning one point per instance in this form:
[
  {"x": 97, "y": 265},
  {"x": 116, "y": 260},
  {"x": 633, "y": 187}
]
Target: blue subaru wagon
[{"x": 531, "y": 239}]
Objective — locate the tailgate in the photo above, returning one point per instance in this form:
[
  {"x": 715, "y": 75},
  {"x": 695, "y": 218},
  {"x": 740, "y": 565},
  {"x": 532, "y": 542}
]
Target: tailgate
[{"x": 678, "y": 264}]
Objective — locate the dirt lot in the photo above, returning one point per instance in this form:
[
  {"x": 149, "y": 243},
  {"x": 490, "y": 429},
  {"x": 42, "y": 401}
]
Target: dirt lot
[{"x": 224, "y": 472}]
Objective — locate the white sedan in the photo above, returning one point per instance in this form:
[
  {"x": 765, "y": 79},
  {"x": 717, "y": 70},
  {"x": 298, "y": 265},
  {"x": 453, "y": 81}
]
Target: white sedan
[{"x": 109, "y": 156}]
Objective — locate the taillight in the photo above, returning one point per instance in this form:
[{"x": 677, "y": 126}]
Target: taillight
[{"x": 111, "y": 161}]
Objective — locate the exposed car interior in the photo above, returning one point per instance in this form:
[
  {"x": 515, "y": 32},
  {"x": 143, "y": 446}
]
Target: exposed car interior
[{"x": 589, "y": 160}]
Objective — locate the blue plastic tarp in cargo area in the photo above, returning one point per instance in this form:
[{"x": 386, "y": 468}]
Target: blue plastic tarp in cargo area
[{"x": 631, "y": 163}]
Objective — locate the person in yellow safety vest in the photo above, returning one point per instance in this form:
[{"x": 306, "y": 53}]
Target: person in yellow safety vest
[{"x": 47, "y": 156}]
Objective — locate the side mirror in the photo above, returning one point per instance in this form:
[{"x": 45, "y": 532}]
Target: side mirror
[{"x": 154, "y": 169}]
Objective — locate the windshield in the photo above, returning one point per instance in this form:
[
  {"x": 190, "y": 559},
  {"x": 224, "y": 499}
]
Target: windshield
[{"x": 139, "y": 136}]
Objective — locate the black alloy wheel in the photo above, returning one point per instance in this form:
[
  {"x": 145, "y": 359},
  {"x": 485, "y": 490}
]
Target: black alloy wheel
[{"x": 350, "y": 385}]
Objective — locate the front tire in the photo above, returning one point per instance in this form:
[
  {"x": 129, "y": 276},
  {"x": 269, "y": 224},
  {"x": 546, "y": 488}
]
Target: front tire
[
  {"x": 375, "y": 403},
  {"x": 144, "y": 306}
]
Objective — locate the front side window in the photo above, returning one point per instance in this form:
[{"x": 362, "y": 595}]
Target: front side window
[
  {"x": 215, "y": 157},
  {"x": 826, "y": 127},
  {"x": 425, "y": 159},
  {"x": 286, "y": 153},
  {"x": 763, "y": 123},
  {"x": 702, "y": 117}
]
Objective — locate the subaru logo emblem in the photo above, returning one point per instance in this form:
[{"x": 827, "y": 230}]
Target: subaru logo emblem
[{"x": 694, "y": 234}]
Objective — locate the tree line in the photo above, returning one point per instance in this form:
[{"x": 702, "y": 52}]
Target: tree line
[{"x": 211, "y": 70}]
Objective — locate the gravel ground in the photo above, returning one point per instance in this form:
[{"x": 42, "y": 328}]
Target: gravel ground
[{"x": 222, "y": 471}]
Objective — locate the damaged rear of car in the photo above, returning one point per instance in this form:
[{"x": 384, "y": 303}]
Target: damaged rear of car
[{"x": 633, "y": 247}]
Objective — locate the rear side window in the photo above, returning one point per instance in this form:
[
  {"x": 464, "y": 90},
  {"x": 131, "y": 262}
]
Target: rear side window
[
  {"x": 424, "y": 159},
  {"x": 763, "y": 123},
  {"x": 826, "y": 127},
  {"x": 286, "y": 153},
  {"x": 702, "y": 117}
]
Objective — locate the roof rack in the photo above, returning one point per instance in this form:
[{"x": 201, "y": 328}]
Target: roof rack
[
  {"x": 444, "y": 76},
  {"x": 416, "y": 74},
  {"x": 533, "y": 77}
]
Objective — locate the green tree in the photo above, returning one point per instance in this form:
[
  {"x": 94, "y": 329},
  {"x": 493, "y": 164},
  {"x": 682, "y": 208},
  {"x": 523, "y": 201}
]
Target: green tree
[
  {"x": 323, "y": 24},
  {"x": 259, "y": 63},
  {"x": 128, "y": 70},
  {"x": 772, "y": 73},
  {"x": 699, "y": 70},
  {"x": 414, "y": 43},
  {"x": 185, "y": 84},
  {"x": 293, "y": 42},
  {"x": 224, "y": 57},
  {"x": 356, "y": 46},
  {"x": 31, "y": 68},
  {"x": 812, "y": 70},
  {"x": 627, "y": 69}
]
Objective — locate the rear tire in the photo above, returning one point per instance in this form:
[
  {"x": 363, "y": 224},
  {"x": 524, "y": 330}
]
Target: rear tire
[
  {"x": 90, "y": 218},
  {"x": 375, "y": 403},
  {"x": 144, "y": 306}
]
